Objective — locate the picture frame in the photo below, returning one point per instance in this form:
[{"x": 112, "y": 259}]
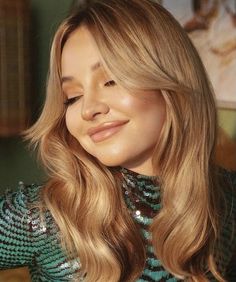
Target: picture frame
[{"x": 211, "y": 25}]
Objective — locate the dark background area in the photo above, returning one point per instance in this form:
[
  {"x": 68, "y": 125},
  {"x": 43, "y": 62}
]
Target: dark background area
[{"x": 17, "y": 163}]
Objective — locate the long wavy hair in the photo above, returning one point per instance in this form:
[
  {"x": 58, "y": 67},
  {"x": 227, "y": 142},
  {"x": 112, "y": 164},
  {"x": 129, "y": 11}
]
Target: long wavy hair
[{"x": 145, "y": 48}]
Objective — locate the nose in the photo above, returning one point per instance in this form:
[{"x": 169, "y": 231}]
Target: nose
[{"x": 93, "y": 107}]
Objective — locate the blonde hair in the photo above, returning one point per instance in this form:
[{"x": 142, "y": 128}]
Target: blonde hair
[{"x": 144, "y": 47}]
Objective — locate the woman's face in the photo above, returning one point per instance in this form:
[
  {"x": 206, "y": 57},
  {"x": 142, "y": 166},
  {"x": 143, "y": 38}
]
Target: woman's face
[{"x": 115, "y": 126}]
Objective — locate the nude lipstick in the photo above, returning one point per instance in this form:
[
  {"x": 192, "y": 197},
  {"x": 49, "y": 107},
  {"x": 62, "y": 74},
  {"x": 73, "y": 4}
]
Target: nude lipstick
[{"x": 105, "y": 130}]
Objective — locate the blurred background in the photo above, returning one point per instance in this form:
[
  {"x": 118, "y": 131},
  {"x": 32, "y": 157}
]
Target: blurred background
[
  {"x": 26, "y": 30},
  {"x": 27, "y": 27}
]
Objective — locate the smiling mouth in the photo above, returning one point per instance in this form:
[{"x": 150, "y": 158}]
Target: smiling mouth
[{"x": 106, "y": 131}]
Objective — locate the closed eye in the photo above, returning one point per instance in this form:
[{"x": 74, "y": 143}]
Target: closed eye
[
  {"x": 110, "y": 83},
  {"x": 72, "y": 100}
]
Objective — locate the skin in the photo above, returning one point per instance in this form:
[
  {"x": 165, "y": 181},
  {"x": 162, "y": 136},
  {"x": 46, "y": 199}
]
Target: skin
[{"x": 95, "y": 99}]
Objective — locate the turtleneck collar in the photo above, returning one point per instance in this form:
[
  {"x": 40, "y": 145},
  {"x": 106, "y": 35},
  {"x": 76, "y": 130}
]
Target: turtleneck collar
[
  {"x": 141, "y": 193},
  {"x": 132, "y": 174},
  {"x": 135, "y": 179}
]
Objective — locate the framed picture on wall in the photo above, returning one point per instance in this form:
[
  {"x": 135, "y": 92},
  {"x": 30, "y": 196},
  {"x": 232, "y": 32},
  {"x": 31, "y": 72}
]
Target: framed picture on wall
[{"x": 211, "y": 24}]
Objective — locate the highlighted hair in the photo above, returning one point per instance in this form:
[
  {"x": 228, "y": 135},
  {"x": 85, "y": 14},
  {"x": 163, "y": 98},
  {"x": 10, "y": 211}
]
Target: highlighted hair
[{"x": 144, "y": 48}]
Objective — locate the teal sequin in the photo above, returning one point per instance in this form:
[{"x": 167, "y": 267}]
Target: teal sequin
[
  {"x": 26, "y": 241},
  {"x": 142, "y": 195}
]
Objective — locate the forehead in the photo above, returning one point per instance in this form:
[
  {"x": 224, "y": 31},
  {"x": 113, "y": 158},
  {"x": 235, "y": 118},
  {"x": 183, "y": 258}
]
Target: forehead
[
  {"x": 80, "y": 55},
  {"x": 80, "y": 45}
]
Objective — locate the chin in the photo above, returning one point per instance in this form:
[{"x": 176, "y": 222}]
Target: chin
[{"x": 110, "y": 161}]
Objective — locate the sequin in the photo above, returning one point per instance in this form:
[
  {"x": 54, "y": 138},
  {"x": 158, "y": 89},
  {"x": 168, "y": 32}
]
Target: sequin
[
  {"x": 137, "y": 213},
  {"x": 26, "y": 241}
]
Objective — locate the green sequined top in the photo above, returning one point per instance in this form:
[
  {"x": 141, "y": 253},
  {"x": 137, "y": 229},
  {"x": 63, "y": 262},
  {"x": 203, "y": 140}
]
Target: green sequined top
[{"x": 27, "y": 241}]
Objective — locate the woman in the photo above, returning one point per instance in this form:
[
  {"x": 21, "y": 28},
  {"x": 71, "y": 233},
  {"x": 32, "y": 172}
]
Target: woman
[{"x": 128, "y": 136}]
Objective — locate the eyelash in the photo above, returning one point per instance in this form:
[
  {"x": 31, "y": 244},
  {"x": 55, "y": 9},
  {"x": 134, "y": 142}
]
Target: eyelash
[
  {"x": 110, "y": 83},
  {"x": 72, "y": 100}
]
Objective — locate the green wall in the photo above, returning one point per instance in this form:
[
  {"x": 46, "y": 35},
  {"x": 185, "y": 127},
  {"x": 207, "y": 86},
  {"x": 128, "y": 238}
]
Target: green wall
[
  {"x": 16, "y": 162},
  {"x": 227, "y": 119}
]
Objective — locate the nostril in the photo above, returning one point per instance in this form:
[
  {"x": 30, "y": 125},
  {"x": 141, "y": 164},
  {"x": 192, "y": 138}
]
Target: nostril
[{"x": 92, "y": 111}]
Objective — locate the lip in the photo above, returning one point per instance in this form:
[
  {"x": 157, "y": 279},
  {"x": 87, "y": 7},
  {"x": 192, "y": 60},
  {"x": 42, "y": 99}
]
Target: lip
[{"x": 105, "y": 130}]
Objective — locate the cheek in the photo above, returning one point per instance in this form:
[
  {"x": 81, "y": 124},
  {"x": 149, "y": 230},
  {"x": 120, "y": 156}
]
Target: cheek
[
  {"x": 153, "y": 119},
  {"x": 159, "y": 116},
  {"x": 68, "y": 121},
  {"x": 72, "y": 122},
  {"x": 151, "y": 112}
]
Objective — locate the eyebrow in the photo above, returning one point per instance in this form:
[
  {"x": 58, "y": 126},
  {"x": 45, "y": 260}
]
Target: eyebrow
[
  {"x": 93, "y": 68},
  {"x": 96, "y": 66}
]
